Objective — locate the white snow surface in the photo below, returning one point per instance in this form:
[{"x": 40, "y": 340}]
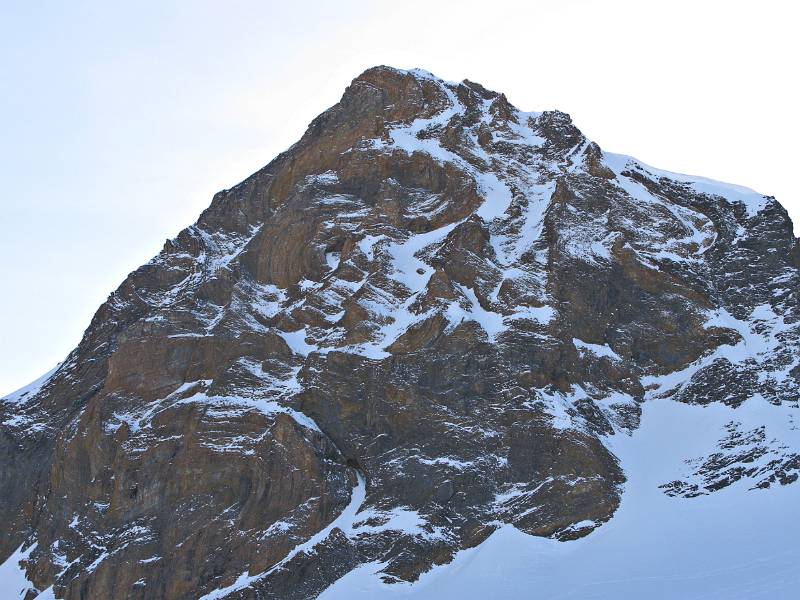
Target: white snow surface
[
  {"x": 736, "y": 543},
  {"x": 752, "y": 200},
  {"x": 296, "y": 340},
  {"x": 599, "y": 350},
  {"x": 13, "y": 582},
  {"x": 27, "y": 392}
]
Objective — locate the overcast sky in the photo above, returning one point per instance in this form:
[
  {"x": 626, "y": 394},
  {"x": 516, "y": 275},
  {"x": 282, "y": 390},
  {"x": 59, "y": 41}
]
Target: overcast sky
[{"x": 119, "y": 123}]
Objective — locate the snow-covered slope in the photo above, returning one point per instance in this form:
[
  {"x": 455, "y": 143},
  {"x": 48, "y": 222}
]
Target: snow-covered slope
[{"x": 738, "y": 543}]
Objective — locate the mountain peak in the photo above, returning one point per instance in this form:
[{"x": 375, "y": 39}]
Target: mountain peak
[{"x": 433, "y": 318}]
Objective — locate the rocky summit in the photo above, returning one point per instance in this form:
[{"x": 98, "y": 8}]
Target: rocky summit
[{"x": 433, "y": 323}]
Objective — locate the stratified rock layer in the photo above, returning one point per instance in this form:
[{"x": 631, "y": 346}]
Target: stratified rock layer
[{"x": 418, "y": 323}]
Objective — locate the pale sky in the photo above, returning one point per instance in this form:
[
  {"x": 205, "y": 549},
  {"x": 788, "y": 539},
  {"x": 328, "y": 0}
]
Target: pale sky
[{"x": 118, "y": 124}]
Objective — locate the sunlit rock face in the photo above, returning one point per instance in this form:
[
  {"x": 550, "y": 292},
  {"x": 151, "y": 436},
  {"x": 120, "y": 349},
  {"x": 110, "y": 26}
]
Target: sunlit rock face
[{"x": 426, "y": 321}]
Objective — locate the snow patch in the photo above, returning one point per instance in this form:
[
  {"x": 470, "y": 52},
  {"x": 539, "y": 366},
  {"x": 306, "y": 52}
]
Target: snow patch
[
  {"x": 27, "y": 392},
  {"x": 14, "y": 583},
  {"x": 599, "y": 350},
  {"x": 296, "y": 340},
  {"x": 752, "y": 200}
]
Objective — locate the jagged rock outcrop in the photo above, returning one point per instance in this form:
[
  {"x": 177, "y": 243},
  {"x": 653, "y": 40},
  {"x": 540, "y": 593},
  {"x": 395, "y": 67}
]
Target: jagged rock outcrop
[{"x": 421, "y": 321}]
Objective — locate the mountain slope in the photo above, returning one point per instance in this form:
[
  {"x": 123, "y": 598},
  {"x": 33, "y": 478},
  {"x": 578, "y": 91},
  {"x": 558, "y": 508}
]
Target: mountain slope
[
  {"x": 740, "y": 543},
  {"x": 431, "y": 319}
]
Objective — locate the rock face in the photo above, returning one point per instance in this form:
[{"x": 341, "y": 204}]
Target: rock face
[{"x": 420, "y": 322}]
